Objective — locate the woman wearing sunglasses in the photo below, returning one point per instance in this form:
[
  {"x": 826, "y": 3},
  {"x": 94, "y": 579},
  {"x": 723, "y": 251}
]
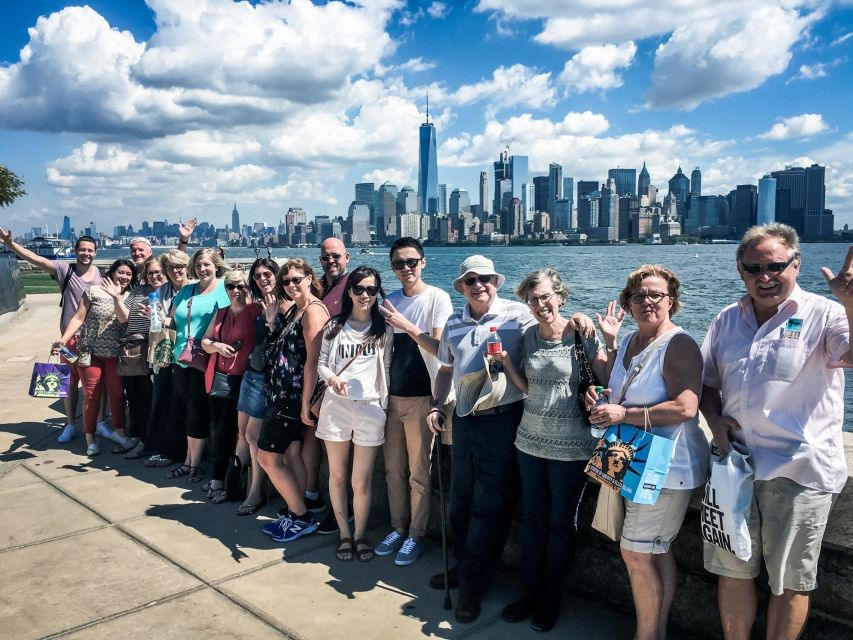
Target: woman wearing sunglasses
[
  {"x": 253, "y": 403},
  {"x": 656, "y": 373},
  {"x": 355, "y": 360},
  {"x": 229, "y": 340},
  {"x": 292, "y": 349}
]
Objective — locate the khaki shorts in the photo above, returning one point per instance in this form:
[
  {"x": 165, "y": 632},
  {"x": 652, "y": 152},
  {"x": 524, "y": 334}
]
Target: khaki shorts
[
  {"x": 342, "y": 420},
  {"x": 786, "y": 525},
  {"x": 651, "y": 528}
]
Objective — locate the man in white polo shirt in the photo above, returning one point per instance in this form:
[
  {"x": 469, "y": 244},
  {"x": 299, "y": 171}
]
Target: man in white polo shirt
[{"x": 773, "y": 382}]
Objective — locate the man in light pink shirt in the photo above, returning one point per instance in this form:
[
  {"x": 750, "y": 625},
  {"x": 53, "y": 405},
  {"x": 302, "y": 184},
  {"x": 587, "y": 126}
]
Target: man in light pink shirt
[{"x": 773, "y": 382}]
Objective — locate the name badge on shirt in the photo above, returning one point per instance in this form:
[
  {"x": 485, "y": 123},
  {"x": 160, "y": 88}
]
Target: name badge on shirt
[{"x": 793, "y": 327}]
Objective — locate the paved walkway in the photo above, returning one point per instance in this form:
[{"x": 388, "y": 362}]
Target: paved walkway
[{"x": 105, "y": 548}]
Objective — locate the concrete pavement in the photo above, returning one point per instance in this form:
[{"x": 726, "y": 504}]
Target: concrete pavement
[{"x": 105, "y": 548}]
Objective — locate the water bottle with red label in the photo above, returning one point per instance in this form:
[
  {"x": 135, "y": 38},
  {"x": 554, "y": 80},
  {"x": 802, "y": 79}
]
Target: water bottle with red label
[{"x": 494, "y": 347}]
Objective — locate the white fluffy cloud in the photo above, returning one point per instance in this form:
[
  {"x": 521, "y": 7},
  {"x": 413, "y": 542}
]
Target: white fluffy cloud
[
  {"x": 709, "y": 49},
  {"x": 508, "y": 87},
  {"x": 804, "y": 126},
  {"x": 595, "y": 67}
]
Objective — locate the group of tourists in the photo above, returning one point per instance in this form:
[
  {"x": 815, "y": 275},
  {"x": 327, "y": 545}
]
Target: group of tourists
[{"x": 269, "y": 363}]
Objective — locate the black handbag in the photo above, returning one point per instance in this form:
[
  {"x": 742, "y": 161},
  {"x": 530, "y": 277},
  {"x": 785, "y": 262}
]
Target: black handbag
[
  {"x": 234, "y": 489},
  {"x": 586, "y": 379},
  {"x": 133, "y": 357},
  {"x": 225, "y": 386}
]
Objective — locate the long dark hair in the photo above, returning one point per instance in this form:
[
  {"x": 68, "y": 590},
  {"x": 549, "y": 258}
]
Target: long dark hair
[
  {"x": 267, "y": 263},
  {"x": 377, "y": 320},
  {"x": 123, "y": 262}
]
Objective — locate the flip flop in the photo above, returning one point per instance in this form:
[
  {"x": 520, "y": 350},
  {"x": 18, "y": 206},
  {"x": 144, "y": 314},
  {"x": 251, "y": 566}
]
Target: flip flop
[
  {"x": 250, "y": 509},
  {"x": 363, "y": 550},
  {"x": 345, "y": 551}
]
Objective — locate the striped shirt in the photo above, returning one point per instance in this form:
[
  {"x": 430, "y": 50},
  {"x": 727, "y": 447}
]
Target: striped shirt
[{"x": 463, "y": 342}]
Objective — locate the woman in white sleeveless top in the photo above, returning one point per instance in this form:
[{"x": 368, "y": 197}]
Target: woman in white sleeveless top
[{"x": 668, "y": 385}]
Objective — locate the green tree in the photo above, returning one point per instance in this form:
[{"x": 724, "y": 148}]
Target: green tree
[{"x": 11, "y": 187}]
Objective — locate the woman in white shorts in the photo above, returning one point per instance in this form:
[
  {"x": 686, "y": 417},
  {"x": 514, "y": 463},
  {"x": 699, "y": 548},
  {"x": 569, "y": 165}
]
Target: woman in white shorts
[
  {"x": 355, "y": 358},
  {"x": 667, "y": 388}
]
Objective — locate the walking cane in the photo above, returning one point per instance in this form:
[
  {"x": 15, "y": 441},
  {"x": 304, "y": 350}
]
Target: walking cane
[{"x": 447, "y": 603}]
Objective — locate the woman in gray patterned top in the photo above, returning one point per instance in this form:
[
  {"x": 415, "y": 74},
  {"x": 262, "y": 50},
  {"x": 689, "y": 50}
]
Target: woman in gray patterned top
[{"x": 553, "y": 443}]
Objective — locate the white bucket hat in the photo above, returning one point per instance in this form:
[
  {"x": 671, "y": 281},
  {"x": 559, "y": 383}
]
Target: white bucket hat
[
  {"x": 480, "y": 265},
  {"x": 480, "y": 390}
]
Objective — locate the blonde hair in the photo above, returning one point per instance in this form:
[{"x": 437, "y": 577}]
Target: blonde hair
[
  {"x": 777, "y": 230},
  {"x": 635, "y": 280},
  {"x": 546, "y": 274},
  {"x": 236, "y": 277},
  {"x": 173, "y": 256},
  {"x": 215, "y": 258},
  {"x": 300, "y": 265}
]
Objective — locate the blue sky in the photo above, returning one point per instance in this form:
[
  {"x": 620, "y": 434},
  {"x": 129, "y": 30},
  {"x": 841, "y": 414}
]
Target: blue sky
[{"x": 115, "y": 112}]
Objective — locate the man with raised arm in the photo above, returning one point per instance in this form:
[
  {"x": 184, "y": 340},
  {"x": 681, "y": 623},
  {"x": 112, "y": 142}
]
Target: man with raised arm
[
  {"x": 74, "y": 279},
  {"x": 773, "y": 382}
]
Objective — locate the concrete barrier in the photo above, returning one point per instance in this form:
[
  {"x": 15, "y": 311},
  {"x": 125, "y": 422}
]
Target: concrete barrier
[{"x": 11, "y": 288}]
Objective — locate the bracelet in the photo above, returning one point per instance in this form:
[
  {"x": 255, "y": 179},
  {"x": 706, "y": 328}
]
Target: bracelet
[
  {"x": 439, "y": 411},
  {"x": 611, "y": 349}
]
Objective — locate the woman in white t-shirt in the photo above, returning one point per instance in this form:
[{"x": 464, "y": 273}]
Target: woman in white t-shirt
[{"x": 355, "y": 359}]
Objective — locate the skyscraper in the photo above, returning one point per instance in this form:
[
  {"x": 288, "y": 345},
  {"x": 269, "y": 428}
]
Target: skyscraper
[
  {"x": 442, "y": 199},
  {"x": 679, "y": 188},
  {"x": 799, "y": 192},
  {"x": 366, "y": 192},
  {"x": 460, "y": 202},
  {"x": 427, "y": 169},
  {"x": 503, "y": 182},
  {"x": 235, "y": 220},
  {"x": 555, "y": 186},
  {"x": 745, "y": 211},
  {"x": 358, "y": 219},
  {"x": 626, "y": 180},
  {"x": 766, "y": 200},
  {"x": 484, "y": 193},
  {"x": 518, "y": 174},
  {"x": 66, "y": 228},
  {"x": 643, "y": 181},
  {"x": 696, "y": 182},
  {"x": 540, "y": 193}
]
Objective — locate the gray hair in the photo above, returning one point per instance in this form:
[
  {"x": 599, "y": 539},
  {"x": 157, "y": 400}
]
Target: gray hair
[
  {"x": 777, "y": 230},
  {"x": 546, "y": 274}
]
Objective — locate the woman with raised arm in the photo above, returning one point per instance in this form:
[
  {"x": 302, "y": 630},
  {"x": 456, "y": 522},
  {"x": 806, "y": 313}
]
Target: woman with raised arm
[
  {"x": 355, "y": 359},
  {"x": 293, "y": 347},
  {"x": 99, "y": 318},
  {"x": 655, "y": 375}
]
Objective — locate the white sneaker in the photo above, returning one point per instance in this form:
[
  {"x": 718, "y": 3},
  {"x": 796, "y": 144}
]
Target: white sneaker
[
  {"x": 93, "y": 449},
  {"x": 68, "y": 433},
  {"x": 104, "y": 430}
]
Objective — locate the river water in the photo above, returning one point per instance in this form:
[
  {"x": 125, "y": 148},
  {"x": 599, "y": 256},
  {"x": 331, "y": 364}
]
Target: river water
[{"x": 596, "y": 274}]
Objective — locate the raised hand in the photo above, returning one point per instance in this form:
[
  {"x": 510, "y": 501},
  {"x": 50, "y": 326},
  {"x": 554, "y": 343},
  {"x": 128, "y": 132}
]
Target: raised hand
[
  {"x": 6, "y": 237},
  {"x": 610, "y": 323},
  {"x": 841, "y": 284},
  {"x": 111, "y": 287},
  {"x": 269, "y": 304},
  {"x": 186, "y": 229}
]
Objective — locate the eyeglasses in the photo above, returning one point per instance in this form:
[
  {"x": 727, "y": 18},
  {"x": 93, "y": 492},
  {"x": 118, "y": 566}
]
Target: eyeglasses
[
  {"x": 470, "y": 282},
  {"x": 177, "y": 267},
  {"x": 537, "y": 300},
  {"x": 772, "y": 267},
  {"x": 411, "y": 263},
  {"x": 285, "y": 282},
  {"x": 653, "y": 296},
  {"x": 154, "y": 274},
  {"x": 266, "y": 275},
  {"x": 331, "y": 257},
  {"x": 239, "y": 287},
  {"x": 357, "y": 289}
]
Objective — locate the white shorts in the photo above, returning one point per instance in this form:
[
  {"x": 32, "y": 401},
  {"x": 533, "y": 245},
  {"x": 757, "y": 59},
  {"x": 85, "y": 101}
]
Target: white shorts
[
  {"x": 342, "y": 420},
  {"x": 651, "y": 528},
  {"x": 786, "y": 524}
]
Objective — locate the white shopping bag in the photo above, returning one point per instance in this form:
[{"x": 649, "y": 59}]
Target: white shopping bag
[{"x": 728, "y": 500}]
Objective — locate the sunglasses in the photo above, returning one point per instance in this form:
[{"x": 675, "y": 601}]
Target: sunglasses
[
  {"x": 653, "y": 296},
  {"x": 177, "y": 267},
  {"x": 357, "y": 289},
  {"x": 239, "y": 287},
  {"x": 332, "y": 257},
  {"x": 772, "y": 267},
  {"x": 266, "y": 275},
  {"x": 285, "y": 282},
  {"x": 470, "y": 282},
  {"x": 411, "y": 263}
]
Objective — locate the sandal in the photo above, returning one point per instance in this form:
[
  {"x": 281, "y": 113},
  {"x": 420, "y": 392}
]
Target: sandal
[
  {"x": 363, "y": 550},
  {"x": 345, "y": 550},
  {"x": 136, "y": 452},
  {"x": 218, "y": 495},
  {"x": 119, "y": 449},
  {"x": 158, "y": 461},
  {"x": 196, "y": 474},
  {"x": 179, "y": 471},
  {"x": 248, "y": 509}
]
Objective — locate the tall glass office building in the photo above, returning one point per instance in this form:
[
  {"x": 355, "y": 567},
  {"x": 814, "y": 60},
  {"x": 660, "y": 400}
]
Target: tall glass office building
[{"x": 427, "y": 169}]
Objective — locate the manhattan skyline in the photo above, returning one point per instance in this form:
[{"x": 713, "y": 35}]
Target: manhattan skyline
[{"x": 162, "y": 110}]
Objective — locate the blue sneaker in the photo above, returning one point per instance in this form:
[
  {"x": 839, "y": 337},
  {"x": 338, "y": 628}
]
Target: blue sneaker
[
  {"x": 409, "y": 553},
  {"x": 391, "y": 544},
  {"x": 297, "y": 528},
  {"x": 277, "y": 527}
]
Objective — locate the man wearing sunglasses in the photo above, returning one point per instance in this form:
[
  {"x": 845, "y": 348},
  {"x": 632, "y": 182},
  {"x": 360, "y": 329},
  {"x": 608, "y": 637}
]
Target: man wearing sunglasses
[
  {"x": 418, "y": 313},
  {"x": 773, "y": 383},
  {"x": 484, "y": 477}
]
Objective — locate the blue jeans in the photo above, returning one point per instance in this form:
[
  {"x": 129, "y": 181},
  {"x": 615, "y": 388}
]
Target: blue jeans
[
  {"x": 484, "y": 488},
  {"x": 552, "y": 491}
]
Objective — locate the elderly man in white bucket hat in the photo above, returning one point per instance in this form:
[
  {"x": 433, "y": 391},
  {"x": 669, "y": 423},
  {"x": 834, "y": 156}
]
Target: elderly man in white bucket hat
[{"x": 484, "y": 477}]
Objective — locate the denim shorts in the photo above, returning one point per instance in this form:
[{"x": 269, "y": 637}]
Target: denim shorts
[{"x": 252, "y": 400}]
